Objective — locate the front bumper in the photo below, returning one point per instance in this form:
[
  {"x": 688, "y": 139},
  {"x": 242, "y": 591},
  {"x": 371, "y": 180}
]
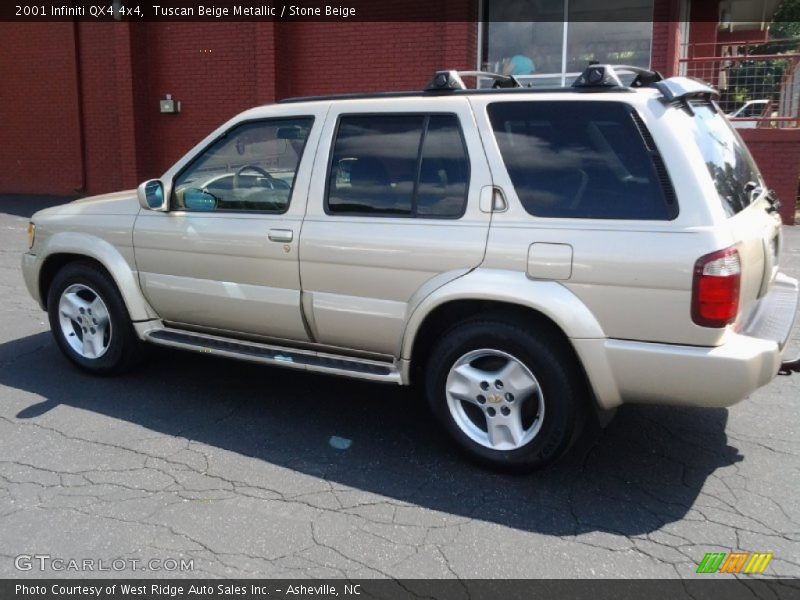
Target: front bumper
[
  {"x": 623, "y": 371},
  {"x": 31, "y": 266}
]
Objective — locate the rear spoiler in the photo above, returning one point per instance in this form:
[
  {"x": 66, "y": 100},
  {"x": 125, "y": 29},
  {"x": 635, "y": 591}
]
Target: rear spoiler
[
  {"x": 678, "y": 90},
  {"x": 683, "y": 89}
]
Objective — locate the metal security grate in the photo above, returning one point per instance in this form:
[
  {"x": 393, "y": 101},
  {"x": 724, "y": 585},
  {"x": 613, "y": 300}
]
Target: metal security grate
[{"x": 759, "y": 82}]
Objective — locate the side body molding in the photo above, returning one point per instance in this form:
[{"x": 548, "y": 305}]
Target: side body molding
[
  {"x": 125, "y": 277},
  {"x": 548, "y": 297}
]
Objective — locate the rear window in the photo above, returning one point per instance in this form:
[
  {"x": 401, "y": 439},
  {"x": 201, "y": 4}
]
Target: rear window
[
  {"x": 591, "y": 160},
  {"x": 728, "y": 161}
]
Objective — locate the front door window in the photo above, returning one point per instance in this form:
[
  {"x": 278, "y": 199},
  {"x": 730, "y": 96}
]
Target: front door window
[{"x": 250, "y": 168}]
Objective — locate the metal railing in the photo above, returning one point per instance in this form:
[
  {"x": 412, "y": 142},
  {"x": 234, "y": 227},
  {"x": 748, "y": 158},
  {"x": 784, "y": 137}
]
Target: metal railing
[{"x": 759, "y": 82}]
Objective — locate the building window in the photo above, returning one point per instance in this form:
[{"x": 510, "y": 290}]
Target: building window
[{"x": 549, "y": 42}]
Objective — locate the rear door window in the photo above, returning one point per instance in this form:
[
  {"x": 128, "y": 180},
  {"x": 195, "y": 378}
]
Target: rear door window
[
  {"x": 588, "y": 160},
  {"x": 405, "y": 165}
]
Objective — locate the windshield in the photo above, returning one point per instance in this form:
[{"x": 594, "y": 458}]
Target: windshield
[{"x": 726, "y": 157}]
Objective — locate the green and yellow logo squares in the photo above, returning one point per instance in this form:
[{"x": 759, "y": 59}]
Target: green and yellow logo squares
[{"x": 736, "y": 562}]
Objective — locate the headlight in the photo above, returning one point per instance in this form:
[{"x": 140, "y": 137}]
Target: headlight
[{"x": 31, "y": 234}]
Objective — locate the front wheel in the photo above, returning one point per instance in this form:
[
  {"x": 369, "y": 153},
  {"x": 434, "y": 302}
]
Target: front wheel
[
  {"x": 512, "y": 398},
  {"x": 89, "y": 320}
]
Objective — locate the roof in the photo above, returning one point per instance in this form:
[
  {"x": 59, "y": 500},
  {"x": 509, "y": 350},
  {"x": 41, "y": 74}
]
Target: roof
[
  {"x": 449, "y": 93},
  {"x": 595, "y": 79}
]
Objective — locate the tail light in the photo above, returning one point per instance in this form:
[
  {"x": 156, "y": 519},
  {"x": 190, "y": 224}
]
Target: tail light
[{"x": 715, "y": 288}]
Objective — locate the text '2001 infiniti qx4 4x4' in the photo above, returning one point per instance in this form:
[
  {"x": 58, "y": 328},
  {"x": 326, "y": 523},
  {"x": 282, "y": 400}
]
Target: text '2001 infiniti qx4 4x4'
[{"x": 528, "y": 257}]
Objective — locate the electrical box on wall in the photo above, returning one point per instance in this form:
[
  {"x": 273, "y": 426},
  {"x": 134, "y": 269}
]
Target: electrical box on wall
[{"x": 168, "y": 105}]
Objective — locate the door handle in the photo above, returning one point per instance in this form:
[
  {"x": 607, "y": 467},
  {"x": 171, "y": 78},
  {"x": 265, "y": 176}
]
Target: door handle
[{"x": 281, "y": 235}]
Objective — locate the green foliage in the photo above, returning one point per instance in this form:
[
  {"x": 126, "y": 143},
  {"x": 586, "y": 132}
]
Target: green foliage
[
  {"x": 788, "y": 13},
  {"x": 752, "y": 80},
  {"x": 786, "y": 24}
]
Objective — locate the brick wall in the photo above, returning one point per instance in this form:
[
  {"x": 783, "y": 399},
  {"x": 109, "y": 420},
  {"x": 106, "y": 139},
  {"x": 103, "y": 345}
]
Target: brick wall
[
  {"x": 666, "y": 37},
  {"x": 208, "y": 67},
  {"x": 703, "y": 30},
  {"x": 328, "y": 58},
  {"x": 80, "y": 104},
  {"x": 217, "y": 70},
  {"x": 777, "y": 153},
  {"x": 99, "y": 107},
  {"x": 41, "y": 137}
]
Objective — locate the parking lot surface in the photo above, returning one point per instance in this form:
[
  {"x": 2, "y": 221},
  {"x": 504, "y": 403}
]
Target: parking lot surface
[{"x": 249, "y": 471}]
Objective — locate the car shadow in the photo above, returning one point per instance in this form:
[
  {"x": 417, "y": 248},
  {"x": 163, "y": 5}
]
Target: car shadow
[
  {"x": 643, "y": 471},
  {"x": 24, "y": 205}
]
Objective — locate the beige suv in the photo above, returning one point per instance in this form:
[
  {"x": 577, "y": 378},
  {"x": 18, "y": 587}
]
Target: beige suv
[{"x": 526, "y": 256}]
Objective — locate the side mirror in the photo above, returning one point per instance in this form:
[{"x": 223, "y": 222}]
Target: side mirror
[{"x": 151, "y": 195}]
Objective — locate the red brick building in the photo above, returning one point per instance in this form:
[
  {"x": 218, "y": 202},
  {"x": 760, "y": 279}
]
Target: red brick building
[{"x": 80, "y": 100}]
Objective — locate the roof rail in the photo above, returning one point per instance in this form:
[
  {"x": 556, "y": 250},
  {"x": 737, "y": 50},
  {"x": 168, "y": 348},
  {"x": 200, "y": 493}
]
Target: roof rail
[
  {"x": 451, "y": 80},
  {"x": 605, "y": 76}
]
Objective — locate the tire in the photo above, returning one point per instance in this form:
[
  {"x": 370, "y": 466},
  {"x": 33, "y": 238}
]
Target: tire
[
  {"x": 513, "y": 399},
  {"x": 90, "y": 322}
]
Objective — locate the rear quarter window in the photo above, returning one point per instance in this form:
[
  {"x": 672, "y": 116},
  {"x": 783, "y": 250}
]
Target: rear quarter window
[
  {"x": 588, "y": 160},
  {"x": 727, "y": 158}
]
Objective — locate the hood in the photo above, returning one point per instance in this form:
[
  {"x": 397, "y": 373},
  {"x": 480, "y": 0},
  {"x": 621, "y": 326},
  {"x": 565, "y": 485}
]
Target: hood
[{"x": 118, "y": 203}]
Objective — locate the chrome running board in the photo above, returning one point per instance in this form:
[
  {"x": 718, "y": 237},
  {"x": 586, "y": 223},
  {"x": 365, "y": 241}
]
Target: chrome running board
[{"x": 293, "y": 358}]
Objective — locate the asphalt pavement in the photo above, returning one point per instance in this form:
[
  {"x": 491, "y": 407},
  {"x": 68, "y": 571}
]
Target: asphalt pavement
[{"x": 248, "y": 471}]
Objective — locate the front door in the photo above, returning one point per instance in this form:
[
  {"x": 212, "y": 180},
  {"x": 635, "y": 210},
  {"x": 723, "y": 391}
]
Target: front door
[{"x": 224, "y": 257}]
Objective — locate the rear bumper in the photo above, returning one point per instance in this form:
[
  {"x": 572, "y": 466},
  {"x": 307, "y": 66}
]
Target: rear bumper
[
  {"x": 774, "y": 315},
  {"x": 623, "y": 371}
]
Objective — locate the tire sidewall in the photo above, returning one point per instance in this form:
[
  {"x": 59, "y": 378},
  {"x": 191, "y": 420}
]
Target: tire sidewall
[
  {"x": 547, "y": 362},
  {"x": 99, "y": 283}
]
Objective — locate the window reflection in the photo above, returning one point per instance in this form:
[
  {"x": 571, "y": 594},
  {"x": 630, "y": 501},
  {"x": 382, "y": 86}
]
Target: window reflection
[
  {"x": 250, "y": 168},
  {"x": 728, "y": 161},
  {"x": 582, "y": 160},
  {"x": 399, "y": 165}
]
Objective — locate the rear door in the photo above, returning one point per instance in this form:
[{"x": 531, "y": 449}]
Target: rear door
[
  {"x": 591, "y": 206},
  {"x": 394, "y": 216}
]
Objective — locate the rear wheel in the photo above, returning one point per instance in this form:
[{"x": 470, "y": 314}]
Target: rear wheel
[
  {"x": 89, "y": 320},
  {"x": 512, "y": 398}
]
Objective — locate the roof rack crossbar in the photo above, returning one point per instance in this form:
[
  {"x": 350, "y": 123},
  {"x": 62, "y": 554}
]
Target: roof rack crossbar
[
  {"x": 604, "y": 76},
  {"x": 452, "y": 80}
]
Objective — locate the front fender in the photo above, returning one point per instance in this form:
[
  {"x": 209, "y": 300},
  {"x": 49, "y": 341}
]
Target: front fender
[
  {"x": 70, "y": 242},
  {"x": 511, "y": 287}
]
